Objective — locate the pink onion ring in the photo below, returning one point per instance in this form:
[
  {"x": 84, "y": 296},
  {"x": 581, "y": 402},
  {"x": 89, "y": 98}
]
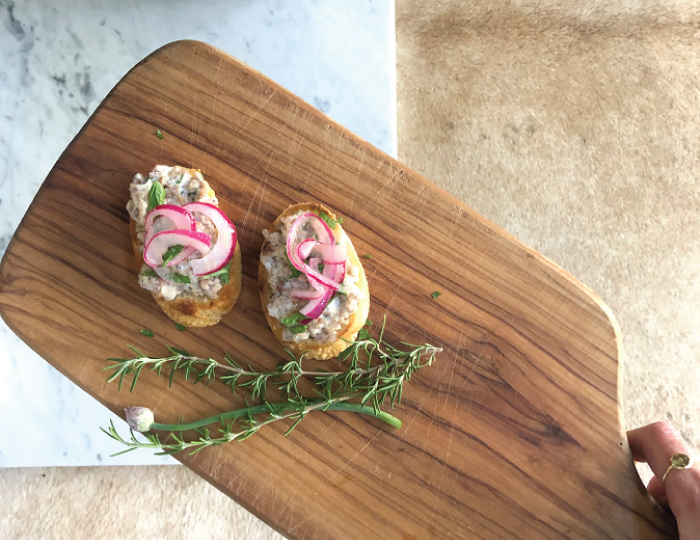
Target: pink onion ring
[
  {"x": 177, "y": 214},
  {"x": 315, "y": 307},
  {"x": 184, "y": 254},
  {"x": 159, "y": 244},
  {"x": 333, "y": 254},
  {"x": 306, "y": 294},
  {"x": 315, "y": 277},
  {"x": 304, "y": 248},
  {"x": 336, "y": 272},
  {"x": 320, "y": 227},
  {"x": 226, "y": 240}
]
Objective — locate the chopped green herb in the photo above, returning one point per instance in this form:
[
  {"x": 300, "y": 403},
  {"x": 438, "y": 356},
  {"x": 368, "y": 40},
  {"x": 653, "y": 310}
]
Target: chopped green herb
[
  {"x": 298, "y": 328},
  {"x": 159, "y": 134},
  {"x": 149, "y": 273},
  {"x": 180, "y": 327},
  {"x": 156, "y": 196},
  {"x": 363, "y": 334},
  {"x": 367, "y": 255},
  {"x": 146, "y": 332},
  {"x": 321, "y": 266},
  {"x": 328, "y": 219},
  {"x": 170, "y": 253},
  {"x": 436, "y": 294},
  {"x": 368, "y": 322},
  {"x": 180, "y": 179},
  {"x": 293, "y": 319},
  {"x": 224, "y": 272},
  {"x": 179, "y": 278}
]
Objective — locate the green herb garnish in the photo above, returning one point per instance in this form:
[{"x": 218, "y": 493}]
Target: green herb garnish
[
  {"x": 146, "y": 332},
  {"x": 159, "y": 134},
  {"x": 368, "y": 322},
  {"x": 363, "y": 335},
  {"x": 436, "y": 294},
  {"x": 367, "y": 255},
  {"x": 156, "y": 196},
  {"x": 224, "y": 272},
  {"x": 293, "y": 319},
  {"x": 298, "y": 328},
  {"x": 179, "y": 278},
  {"x": 171, "y": 252},
  {"x": 149, "y": 273},
  {"x": 328, "y": 219},
  {"x": 180, "y": 327},
  {"x": 321, "y": 266},
  {"x": 180, "y": 179}
]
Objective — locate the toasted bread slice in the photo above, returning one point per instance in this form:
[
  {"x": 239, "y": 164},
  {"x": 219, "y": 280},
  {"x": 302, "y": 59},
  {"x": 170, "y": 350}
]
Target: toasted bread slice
[
  {"x": 196, "y": 310},
  {"x": 311, "y": 349}
]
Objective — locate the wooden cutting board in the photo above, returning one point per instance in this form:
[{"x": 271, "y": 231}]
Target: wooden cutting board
[{"x": 515, "y": 432}]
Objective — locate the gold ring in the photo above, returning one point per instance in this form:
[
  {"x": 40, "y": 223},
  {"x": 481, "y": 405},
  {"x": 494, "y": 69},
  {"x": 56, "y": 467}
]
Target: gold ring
[{"x": 678, "y": 461}]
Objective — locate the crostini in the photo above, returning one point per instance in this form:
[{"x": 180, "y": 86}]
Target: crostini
[
  {"x": 185, "y": 247},
  {"x": 312, "y": 285}
]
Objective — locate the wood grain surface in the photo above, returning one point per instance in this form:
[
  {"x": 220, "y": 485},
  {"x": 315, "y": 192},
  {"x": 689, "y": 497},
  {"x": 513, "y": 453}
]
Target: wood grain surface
[{"x": 515, "y": 432}]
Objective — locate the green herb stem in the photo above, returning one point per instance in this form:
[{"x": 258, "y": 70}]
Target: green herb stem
[{"x": 280, "y": 408}]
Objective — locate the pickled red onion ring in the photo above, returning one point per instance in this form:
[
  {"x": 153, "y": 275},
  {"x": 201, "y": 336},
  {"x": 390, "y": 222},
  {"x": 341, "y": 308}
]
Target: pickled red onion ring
[
  {"x": 306, "y": 294},
  {"x": 332, "y": 255},
  {"x": 320, "y": 227},
  {"x": 225, "y": 245},
  {"x": 160, "y": 242},
  {"x": 177, "y": 214},
  {"x": 316, "y": 277}
]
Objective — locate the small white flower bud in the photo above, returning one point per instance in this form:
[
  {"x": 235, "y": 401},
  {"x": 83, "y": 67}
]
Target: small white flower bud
[{"x": 139, "y": 418}]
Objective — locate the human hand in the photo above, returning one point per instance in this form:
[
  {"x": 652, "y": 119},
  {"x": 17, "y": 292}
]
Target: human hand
[{"x": 655, "y": 444}]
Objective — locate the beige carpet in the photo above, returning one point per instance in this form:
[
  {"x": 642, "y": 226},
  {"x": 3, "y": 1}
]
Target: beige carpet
[{"x": 575, "y": 126}]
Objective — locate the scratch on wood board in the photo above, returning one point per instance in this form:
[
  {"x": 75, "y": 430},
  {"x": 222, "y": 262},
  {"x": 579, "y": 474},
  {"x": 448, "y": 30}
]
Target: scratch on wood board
[
  {"x": 393, "y": 297},
  {"x": 454, "y": 225},
  {"x": 424, "y": 196},
  {"x": 391, "y": 182},
  {"x": 256, "y": 113},
  {"x": 337, "y": 473},
  {"x": 214, "y": 102},
  {"x": 261, "y": 185},
  {"x": 229, "y": 484}
]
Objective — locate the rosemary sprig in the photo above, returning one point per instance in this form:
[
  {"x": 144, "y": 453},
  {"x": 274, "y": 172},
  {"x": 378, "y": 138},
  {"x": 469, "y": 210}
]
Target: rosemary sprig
[
  {"x": 376, "y": 373},
  {"x": 376, "y": 382},
  {"x": 237, "y": 425}
]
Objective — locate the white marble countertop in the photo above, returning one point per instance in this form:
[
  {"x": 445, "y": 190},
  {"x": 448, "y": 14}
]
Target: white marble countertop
[{"x": 61, "y": 57}]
